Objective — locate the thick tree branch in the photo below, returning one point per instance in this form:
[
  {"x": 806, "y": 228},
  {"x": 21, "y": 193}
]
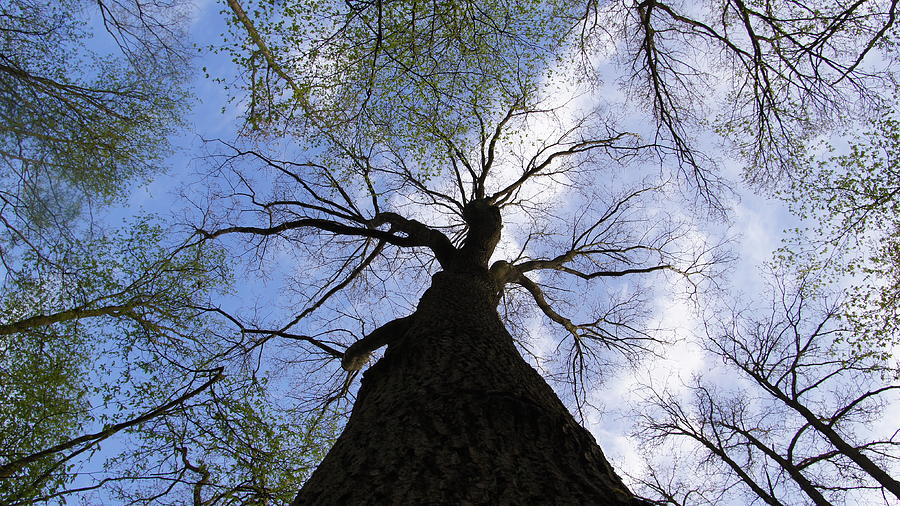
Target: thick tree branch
[
  {"x": 299, "y": 94},
  {"x": 66, "y": 315},
  {"x": 545, "y": 306},
  {"x": 416, "y": 233},
  {"x": 321, "y": 224},
  {"x": 359, "y": 352},
  {"x": 488, "y": 152},
  {"x": 419, "y": 234},
  {"x": 297, "y": 337},
  {"x": 558, "y": 264}
]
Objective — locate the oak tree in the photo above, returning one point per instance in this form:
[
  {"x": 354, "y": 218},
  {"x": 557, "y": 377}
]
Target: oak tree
[
  {"x": 453, "y": 180},
  {"x": 401, "y": 142}
]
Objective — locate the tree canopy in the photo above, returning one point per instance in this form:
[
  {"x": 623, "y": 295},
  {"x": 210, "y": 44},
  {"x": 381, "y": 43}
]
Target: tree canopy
[
  {"x": 854, "y": 198},
  {"x": 569, "y": 153},
  {"x": 103, "y": 325}
]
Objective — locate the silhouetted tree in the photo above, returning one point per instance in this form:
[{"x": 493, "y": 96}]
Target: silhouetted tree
[
  {"x": 414, "y": 126},
  {"x": 799, "y": 428}
]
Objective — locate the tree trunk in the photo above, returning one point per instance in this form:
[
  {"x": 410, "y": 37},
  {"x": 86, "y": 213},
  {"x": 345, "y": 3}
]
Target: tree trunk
[{"x": 452, "y": 414}]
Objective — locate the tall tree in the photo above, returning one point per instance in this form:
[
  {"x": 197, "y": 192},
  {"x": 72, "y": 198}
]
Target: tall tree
[
  {"x": 414, "y": 121},
  {"x": 803, "y": 425},
  {"x": 103, "y": 326},
  {"x": 77, "y": 127},
  {"x": 440, "y": 172}
]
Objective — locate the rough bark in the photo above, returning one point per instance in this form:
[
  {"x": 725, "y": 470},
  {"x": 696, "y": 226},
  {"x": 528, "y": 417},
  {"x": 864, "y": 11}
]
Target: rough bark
[{"x": 452, "y": 414}]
